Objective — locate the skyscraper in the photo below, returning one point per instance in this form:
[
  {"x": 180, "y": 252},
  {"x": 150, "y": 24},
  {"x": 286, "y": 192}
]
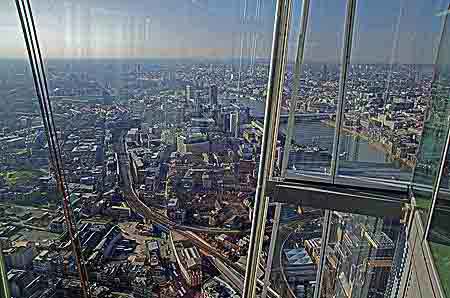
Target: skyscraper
[
  {"x": 213, "y": 95},
  {"x": 188, "y": 94},
  {"x": 234, "y": 124},
  {"x": 324, "y": 74},
  {"x": 198, "y": 101}
]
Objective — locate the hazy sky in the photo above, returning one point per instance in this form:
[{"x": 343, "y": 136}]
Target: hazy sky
[{"x": 216, "y": 28}]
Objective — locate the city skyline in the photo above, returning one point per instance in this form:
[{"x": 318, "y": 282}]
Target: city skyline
[
  {"x": 202, "y": 191},
  {"x": 160, "y": 153},
  {"x": 210, "y": 29}
]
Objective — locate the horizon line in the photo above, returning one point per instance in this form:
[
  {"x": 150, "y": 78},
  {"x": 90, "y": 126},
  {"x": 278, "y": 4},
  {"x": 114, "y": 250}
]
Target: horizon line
[{"x": 290, "y": 61}]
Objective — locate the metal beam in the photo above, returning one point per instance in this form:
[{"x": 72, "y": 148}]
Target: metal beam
[
  {"x": 325, "y": 236},
  {"x": 339, "y": 198},
  {"x": 345, "y": 62},
  {"x": 297, "y": 75},
  {"x": 273, "y": 240},
  {"x": 272, "y": 111}
]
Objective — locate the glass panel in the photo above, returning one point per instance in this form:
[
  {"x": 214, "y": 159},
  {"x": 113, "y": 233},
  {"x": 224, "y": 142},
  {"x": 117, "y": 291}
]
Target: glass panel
[
  {"x": 293, "y": 269},
  {"x": 363, "y": 256},
  {"x": 32, "y": 226},
  {"x": 439, "y": 232},
  {"x": 155, "y": 103},
  {"x": 387, "y": 91},
  {"x": 435, "y": 127},
  {"x": 441, "y": 253},
  {"x": 310, "y": 154},
  {"x": 362, "y": 259}
]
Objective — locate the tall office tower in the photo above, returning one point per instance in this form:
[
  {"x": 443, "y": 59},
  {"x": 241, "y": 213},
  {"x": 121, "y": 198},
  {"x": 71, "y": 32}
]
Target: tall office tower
[
  {"x": 213, "y": 95},
  {"x": 234, "y": 124},
  {"x": 198, "y": 100},
  {"x": 418, "y": 74},
  {"x": 324, "y": 74},
  {"x": 188, "y": 94},
  {"x": 198, "y": 96},
  {"x": 172, "y": 75}
]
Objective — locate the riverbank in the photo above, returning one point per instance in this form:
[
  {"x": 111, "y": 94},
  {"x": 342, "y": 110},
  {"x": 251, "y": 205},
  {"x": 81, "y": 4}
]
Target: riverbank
[{"x": 374, "y": 144}]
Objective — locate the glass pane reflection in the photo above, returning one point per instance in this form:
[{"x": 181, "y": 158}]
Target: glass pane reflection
[
  {"x": 32, "y": 226},
  {"x": 388, "y": 90},
  {"x": 153, "y": 100},
  {"x": 313, "y": 136},
  {"x": 362, "y": 258},
  {"x": 433, "y": 139},
  {"x": 439, "y": 232}
]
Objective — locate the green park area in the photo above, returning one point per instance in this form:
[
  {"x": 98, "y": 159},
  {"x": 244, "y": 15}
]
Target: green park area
[
  {"x": 423, "y": 203},
  {"x": 441, "y": 254},
  {"x": 24, "y": 177},
  {"x": 23, "y": 151}
]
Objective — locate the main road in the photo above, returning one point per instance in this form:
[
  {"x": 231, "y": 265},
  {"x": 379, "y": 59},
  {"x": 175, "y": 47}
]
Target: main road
[
  {"x": 152, "y": 215},
  {"x": 133, "y": 200}
]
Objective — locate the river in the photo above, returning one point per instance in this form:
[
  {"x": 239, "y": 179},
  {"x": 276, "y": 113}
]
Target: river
[{"x": 362, "y": 157}]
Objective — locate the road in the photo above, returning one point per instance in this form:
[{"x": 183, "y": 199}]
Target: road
[
  {"x": 285, "y": 232},
  {"x": 152, "y": 215},
  {"x": 131, "y": 195},
  {"x": 279, "y": 279}
]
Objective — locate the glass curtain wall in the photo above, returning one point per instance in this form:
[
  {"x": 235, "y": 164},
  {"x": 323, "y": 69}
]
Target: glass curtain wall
[
  {"x": 387, "y": 90},
  {"x": 357, "y": 117},
  {"x": 360, "y": 256},
  {"x": 35, "y": 251},
  {"x": 159, "y": 107},
  {"x": 435, "y": 208},
  {"x": 362, "y": 253},
  {"x": 311, "y": 89},
  {"x": 332, "y": 253},
  {"x": 351, "y": 115},
  {"x": 155, "y": 104},
  {"x": 434, "y": 134}
]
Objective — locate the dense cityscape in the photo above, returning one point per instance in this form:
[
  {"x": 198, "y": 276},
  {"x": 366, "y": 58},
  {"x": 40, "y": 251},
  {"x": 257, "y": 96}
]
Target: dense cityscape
[{"x": 161, "y": 161}]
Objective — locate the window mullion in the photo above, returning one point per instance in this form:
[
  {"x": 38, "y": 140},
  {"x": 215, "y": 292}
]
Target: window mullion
[
  {"x": 271, "y": 117},
  {"x": 345, "y": 62}
]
